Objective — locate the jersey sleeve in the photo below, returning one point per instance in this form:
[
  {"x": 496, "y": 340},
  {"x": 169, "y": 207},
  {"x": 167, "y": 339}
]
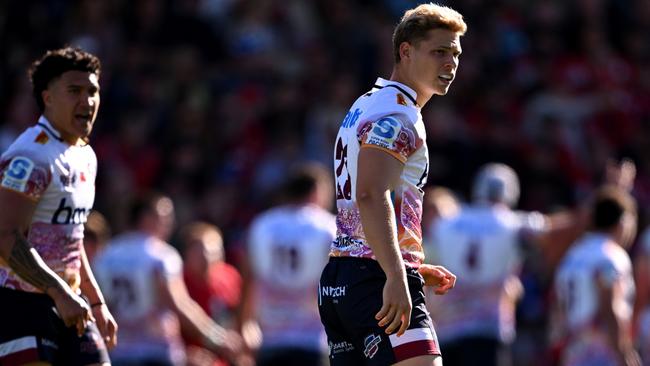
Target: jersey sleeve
[
  {"x": 171, "y": 264},
  {"x": 393, "y": 134},
  {"x": 25, "y": 174},
  {"x": 608, "y": 273}
]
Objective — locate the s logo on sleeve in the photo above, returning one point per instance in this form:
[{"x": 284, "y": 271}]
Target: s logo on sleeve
[
  {"x": 17, "y": 174},
  {"x": 384, "y": 132}
]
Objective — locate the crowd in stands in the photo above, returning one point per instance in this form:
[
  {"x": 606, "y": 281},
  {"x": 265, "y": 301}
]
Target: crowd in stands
[{"x": 212, "y": 101}]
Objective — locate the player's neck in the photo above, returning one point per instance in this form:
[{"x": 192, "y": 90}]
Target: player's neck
[
  {"x": 68, "y": 138},
  {"x": 400, "y": 76}
]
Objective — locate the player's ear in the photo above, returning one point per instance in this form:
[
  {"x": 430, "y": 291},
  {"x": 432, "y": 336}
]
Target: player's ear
[
  {"x": 47, "y": 97},
  {"x": 404, "y": 50}
]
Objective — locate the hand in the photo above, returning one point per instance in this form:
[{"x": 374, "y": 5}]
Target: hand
[
  {"x": 437, "y": 276},
  {"x": 629, "y": 357},
  {"x": 72, "y": 309},
  {"x": 227, "y": 343},
  {"x": 106, "y": 324},
  {"x": 396, "y": 306},
  {"x": 622, "y": 174}
]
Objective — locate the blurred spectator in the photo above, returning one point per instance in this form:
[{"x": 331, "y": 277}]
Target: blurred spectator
[
  {"x": 194, "y": 94},
  {"x": 214, "y": 284},
  {"x": 97, "y": 233}
]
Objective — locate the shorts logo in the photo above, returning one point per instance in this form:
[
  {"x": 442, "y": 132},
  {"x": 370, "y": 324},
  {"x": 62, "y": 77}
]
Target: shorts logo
[
  {"x": 372, "y": 345},
  {"x": 329, "y": 291},
  {"x": 336, "y": 348},
  {"x": 48, "y": 343},
  {"x": 17, "y": 174}
]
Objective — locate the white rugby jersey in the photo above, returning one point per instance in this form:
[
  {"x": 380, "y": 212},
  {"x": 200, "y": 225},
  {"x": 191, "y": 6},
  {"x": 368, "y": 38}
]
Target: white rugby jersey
[
  {"x": 386, "y": 118},
  {"x": 61, "y": 179},
  {"x": 127, "y": 272},
  {"x": 482, "y": 247},
  {"x": 288, "y": 248},
  {"x": 643, "y": 336},
  {"x": 595, "y": 256}
]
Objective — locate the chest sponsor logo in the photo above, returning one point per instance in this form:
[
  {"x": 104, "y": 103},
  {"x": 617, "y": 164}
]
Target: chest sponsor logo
[
  {"x": 371, "y": 343},
  {"x": 17, "y": 174},
  {"x": 351, "y": 118},
  {"x": 65, "y": 215},
  {"x": 68, "y": 180}
]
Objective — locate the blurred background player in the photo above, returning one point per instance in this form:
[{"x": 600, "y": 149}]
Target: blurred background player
[
  {"x": 483, "y": 245},
  {"x": 47, "y": 187},
  {"x": 214, "y": 284},
  {"x": 595, "y": 287},
  {"x": 97, "y": 233},
  {"x": 641, "y": 319},
  {"x": 288, "y": 247},
  {"x": 142, "y": 276}
]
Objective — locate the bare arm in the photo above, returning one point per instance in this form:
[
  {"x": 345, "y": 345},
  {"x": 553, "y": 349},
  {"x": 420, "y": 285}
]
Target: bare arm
[
  {"x": 195, "y": 321},
  {"x": 16, "y": 251},
  {"x": 246, "y": 322},
  {"x": 618, "y": 329},
  {"x": 641, "y": 279},
  {"x": 378, "y": 174},
  {"x": 89, "y": 287}
]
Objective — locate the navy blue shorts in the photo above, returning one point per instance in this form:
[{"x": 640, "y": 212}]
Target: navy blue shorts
[
  {"x": 349, "y": 296},
  {"x": 31, "y": 331}
]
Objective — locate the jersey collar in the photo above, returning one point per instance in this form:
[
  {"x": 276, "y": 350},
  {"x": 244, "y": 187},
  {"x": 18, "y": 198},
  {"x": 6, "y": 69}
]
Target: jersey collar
[
  {"x": 47, "y": 126},
  {"x": 410, "y": 93}
]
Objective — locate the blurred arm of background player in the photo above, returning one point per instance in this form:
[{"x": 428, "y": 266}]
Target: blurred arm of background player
[
  {"x": 642, "y": 287},
  {"x": 245, "y": 317},
  {"x": 196, "y": 322},
  {"x": 564, "y": 227},
  {"x": 16, "y": 251}
]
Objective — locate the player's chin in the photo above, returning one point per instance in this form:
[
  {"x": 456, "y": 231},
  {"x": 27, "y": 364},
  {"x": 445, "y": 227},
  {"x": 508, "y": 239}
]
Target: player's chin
[{"x": 441, "y": 90}]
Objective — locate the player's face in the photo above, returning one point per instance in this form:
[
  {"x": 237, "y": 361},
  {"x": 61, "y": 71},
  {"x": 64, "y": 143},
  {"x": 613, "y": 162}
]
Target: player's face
[
  {"x": 434, "y": 60},
  {"x": 71, "y": 104}
]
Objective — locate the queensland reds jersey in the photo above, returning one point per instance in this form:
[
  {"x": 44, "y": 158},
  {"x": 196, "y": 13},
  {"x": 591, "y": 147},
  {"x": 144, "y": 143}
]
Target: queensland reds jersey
[
  {"x": 386, "y": 118},
  {"x": 595, "y": 257},
  {"x": 61, "y": 179},
  {"x": 288, "y": 247},
  {"x": 482, "y": 246}
]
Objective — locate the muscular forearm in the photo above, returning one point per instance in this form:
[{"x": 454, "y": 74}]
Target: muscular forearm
[
  {"x": 89, "y": 286},
  {"x": 27, "y": 263},
  {"x": 378, "y": 220}
]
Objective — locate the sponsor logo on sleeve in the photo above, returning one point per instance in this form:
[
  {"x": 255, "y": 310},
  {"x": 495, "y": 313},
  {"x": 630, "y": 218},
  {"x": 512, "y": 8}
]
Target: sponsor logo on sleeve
[
  {"x": 384, "y": 132},
  {"x": 17, "y": 174}
]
